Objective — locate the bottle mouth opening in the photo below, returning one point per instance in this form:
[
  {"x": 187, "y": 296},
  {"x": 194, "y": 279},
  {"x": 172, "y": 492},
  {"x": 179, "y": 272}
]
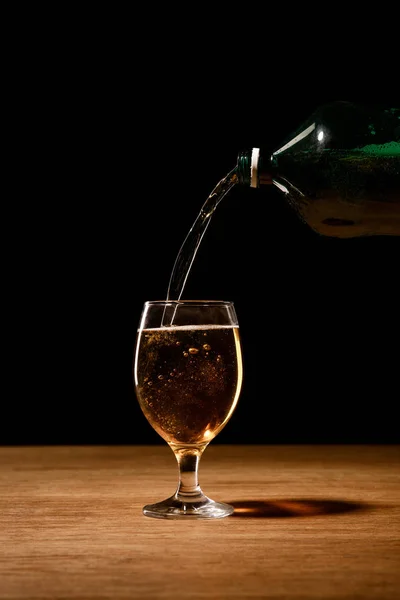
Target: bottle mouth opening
[
  {"x": 244, "y": 167},
  {"x": 247, "y": 167}
]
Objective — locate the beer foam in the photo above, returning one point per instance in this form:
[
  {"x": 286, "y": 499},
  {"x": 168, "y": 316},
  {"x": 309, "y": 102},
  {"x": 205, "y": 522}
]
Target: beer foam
[{"x": 172, "y": 328}]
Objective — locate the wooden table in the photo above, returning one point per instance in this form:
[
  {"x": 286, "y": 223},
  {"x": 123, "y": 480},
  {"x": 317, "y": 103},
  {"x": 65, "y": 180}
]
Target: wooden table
[{"x": 309, "y": 523}]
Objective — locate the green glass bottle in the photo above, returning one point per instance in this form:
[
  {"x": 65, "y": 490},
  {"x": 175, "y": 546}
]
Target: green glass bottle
[{"x": 340, "y": 170}]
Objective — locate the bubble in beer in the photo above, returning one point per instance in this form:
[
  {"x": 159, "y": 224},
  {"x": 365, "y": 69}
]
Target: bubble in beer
[
  {"x": 193, "y": 350},
  {"x": 161, "y": 377},
  {"x": 206, "y": 346},
  {"x": 185, "y": 354},
  {"x": 149, "y": 383}
]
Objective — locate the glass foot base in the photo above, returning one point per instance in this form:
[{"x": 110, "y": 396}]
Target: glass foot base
[{"x": 193, "y": 508}]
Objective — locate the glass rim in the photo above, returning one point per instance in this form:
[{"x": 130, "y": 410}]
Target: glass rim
[{"x": 189, "y": 302}]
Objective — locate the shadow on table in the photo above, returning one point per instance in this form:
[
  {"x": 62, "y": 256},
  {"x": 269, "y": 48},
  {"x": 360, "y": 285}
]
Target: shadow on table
[{"x": 286, "y": 508}]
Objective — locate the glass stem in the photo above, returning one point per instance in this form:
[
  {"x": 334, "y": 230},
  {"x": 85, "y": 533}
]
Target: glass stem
[{"x": 188, "y": 463}]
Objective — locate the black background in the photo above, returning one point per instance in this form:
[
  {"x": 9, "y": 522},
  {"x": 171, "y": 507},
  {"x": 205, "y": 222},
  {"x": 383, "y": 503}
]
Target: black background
[{"x": 123, "y": 161}]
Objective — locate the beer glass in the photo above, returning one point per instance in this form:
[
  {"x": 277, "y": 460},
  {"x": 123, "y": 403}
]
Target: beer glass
[{"x": 188, "y": 372}]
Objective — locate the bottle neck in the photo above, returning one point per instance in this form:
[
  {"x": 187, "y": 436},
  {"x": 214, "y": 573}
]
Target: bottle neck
[{"x": 251, "y": 169}]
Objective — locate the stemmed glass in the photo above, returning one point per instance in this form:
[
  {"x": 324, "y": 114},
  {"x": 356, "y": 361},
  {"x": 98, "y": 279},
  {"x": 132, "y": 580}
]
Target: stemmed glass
[{"x": 188, "y": 374}]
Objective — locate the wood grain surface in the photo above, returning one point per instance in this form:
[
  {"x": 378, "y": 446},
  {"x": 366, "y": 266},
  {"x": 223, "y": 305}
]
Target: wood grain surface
[{"x": 310, "y": 522}]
